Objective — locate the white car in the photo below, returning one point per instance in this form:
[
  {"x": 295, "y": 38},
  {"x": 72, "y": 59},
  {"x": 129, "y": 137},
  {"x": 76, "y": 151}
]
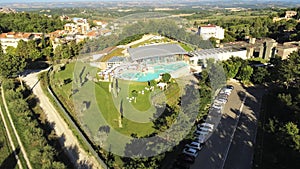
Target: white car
[
  {"x": 217, "y": 106},
  {"x": 221, "y": 101},
  {"x": 200, "y": 132},
  {"x": 200, "y": 139},
  {"x": 190, "y": 151},
  {"x": 205, "y": 127},
  {"x": 227, "y": 91},
  {"x": 194, "y": 145}
]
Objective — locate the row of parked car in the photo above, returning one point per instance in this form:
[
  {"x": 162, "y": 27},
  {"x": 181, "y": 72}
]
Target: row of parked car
[{"x": 190, "y": 152}]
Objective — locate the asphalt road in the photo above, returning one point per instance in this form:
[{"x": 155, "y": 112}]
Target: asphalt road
[{"x": 231, "y": 145}]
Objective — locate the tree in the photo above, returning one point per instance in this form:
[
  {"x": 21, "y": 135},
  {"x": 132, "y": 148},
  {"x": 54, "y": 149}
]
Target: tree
[
  {"x": 259, "y": 75},
  {"x": 213, "y": 41},
  {"x": 62, "y": 52},
  {"x": 290, "y": 135},
  {"x": 152, "y": 83},
  {"x": 245, "y": 73},
  {"x": 232, "y": 66},
  {"x": 10, "y": 50},
  {"x": 47, "y": 52},
  {"x": 1, "y": 50},
  {"x": 166, "y": 77},
  {"x": 11, "y": 65},
  {"x": 22, "y": 49}
]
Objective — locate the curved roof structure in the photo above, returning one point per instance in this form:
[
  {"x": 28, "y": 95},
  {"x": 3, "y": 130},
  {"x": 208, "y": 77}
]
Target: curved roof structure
[{"x": 150, "y": 51}]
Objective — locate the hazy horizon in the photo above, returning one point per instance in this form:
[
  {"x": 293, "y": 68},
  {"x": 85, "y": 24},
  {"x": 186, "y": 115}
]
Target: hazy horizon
[{"x": 43, "y": 1}]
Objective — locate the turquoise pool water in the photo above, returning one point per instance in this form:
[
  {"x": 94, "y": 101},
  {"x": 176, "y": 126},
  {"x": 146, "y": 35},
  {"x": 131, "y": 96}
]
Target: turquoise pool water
[{"x": 158, "y": 69}]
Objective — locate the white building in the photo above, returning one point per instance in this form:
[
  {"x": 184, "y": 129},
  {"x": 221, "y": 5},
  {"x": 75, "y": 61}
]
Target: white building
[
  {"x": 12, "y": 39},
  {"x": 209, "y": 31},
  {"x": 198, "y": 58}
]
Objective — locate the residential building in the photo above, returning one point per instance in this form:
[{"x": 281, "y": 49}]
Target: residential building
[
  {"x": 12, "y": 39},
  {"x": 80, "y": 25},
  {"x": 284, "y": 50},
  {"x": 264, "y": 48},
  {"x": 209, "y": 31},
  {"x": 290, "y": 14},
  {"x": 103, "y": 24}
]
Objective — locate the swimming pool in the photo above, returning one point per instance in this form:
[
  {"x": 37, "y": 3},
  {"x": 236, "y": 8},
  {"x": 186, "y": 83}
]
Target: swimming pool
[{"x": 150, "y": 75}]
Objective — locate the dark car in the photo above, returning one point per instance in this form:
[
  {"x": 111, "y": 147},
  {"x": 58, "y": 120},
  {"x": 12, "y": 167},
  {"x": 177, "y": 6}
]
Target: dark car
[{"x": 230, "y": 87}]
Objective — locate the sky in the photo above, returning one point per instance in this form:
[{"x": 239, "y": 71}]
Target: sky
[
  {"x": 30, "y": 1},
  {"x": 27, "y": 1}
]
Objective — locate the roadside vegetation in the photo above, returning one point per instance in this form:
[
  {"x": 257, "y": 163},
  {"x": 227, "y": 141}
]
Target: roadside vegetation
[
  {"x": 7, "y": 159},
  {"x": 278, "y": 139},
  {"x": 35, "y": 132}
]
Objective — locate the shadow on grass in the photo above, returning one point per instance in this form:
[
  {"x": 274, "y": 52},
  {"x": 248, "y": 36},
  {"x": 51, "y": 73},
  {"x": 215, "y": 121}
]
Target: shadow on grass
[{"x": 10, "y": 161}]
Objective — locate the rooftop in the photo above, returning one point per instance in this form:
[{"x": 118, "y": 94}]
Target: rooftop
[
  {"x": 116, "y": 59},
  {"x": 214, "y": 51},
  {"x": 155, "y": 51},
  {"x": 15, "y": 35}
]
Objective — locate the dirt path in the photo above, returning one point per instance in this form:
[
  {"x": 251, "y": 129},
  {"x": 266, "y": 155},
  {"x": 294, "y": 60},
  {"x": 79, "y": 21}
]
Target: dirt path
[{"x": 69, "y": 141}]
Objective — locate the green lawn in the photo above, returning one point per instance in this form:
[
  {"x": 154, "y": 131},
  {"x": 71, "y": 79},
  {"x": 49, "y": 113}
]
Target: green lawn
[{"x": 186, "y": 47}]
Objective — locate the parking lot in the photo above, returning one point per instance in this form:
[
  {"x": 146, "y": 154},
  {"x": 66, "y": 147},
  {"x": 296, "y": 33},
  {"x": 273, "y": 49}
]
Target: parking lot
[{"x": 230, "y": 145}]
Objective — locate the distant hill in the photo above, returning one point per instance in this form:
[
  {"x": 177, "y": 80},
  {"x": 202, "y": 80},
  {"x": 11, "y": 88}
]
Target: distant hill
[{"x": 26, "y": 4}]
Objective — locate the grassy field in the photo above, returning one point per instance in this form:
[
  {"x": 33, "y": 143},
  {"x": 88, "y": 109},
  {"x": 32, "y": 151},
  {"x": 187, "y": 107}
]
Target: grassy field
[{"x": 186, "y": 47}]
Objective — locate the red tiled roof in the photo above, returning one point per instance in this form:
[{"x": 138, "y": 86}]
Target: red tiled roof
[
  {"x": 105, "y": 31},
  {"x": 3, "y": 35},
  {"x": 16, "y": 35},
  {"x": 92, "y": 33}
]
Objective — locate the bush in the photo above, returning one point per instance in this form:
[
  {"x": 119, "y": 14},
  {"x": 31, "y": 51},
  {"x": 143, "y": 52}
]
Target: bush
[{"x": 8, "y": 84}]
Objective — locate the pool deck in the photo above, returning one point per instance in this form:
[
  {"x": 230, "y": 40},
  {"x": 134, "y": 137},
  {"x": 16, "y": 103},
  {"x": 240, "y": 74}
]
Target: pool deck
[{"x": 137, "y": 72}]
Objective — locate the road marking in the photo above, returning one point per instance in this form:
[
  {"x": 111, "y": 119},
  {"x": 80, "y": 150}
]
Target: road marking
[{"x": 231, "y": 138}]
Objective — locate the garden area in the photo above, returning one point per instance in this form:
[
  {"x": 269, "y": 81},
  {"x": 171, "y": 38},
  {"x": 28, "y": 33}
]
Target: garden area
[{"x": 128, "y": 111}]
